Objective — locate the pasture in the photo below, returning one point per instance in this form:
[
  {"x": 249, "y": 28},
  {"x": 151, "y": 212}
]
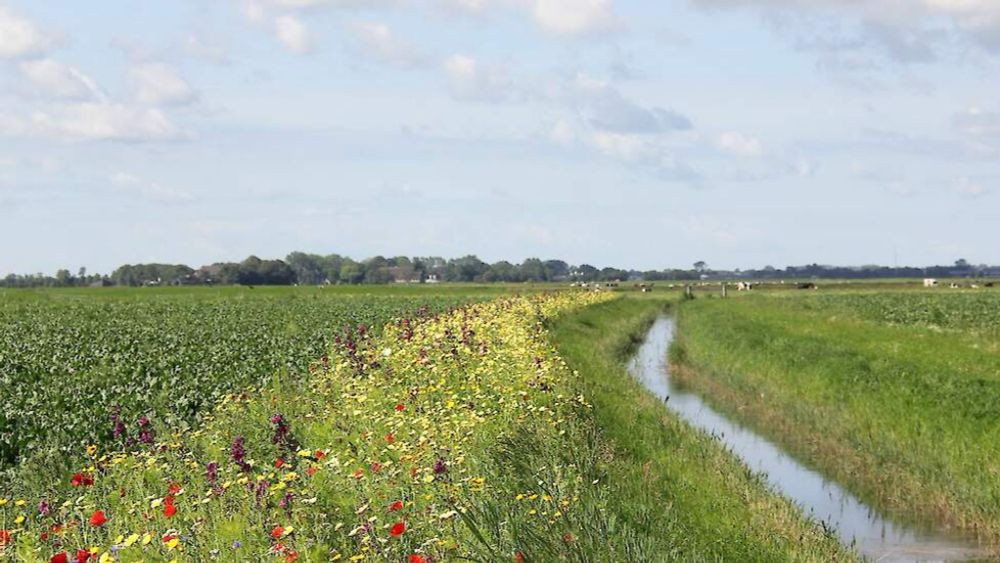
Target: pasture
[{"x": 893, "y": 394}]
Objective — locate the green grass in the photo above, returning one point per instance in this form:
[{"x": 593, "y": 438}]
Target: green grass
[
  {"x": 674, "y": 487},
  {"x": 894, "y": 395}
]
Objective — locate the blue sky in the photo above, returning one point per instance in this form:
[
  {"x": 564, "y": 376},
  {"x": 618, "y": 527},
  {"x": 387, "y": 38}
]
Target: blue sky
[{"x": 614, "y": 132}]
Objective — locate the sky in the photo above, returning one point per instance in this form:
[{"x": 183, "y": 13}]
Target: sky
[{"x": 632, "y": 133}]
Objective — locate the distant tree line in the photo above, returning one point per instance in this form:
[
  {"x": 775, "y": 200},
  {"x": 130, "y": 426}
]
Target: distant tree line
[{"x": 314, "y": 269}]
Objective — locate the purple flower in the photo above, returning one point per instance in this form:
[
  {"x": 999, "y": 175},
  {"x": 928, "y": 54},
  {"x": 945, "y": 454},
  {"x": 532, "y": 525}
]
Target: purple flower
[
  {"x": 43, "y": 507},
  {"x": 286, "y": 502},
  {"x": 212, "y": 472},
  {"x": 262, "y": 487},
  {"x": 238, "y": 454},
  {"x": 117, "y": 426},
  {"x": 440, "y": 467},
  {"x": 146, "y": 434}
]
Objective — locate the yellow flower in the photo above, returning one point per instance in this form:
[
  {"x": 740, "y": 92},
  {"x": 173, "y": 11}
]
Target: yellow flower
[{"x": 91, "y": 450}]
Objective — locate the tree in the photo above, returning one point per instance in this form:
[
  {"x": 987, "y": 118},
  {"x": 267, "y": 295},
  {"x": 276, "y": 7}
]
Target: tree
[
  {"x": 587, "y": 273},
  {"x": 351, "y": 272},
  {"x": 308, "y": 268},
  {"x": 533, "y": 270},
  {"x": 556, "y": 270},
  {"x": 63, "y": 278},
  {"x": 962, "y": 263},
  {"x": 700, "y": 266}
]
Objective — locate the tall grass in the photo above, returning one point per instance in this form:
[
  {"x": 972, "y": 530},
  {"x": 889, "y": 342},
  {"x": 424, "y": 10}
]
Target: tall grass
[
  {"x": 681, "y": 492},
  {"x": 905, "y": 414}
]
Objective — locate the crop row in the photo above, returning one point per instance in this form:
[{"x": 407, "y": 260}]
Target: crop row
[
  {"x": 68, "y": 366},
  {"x": 958, "y": 310}
]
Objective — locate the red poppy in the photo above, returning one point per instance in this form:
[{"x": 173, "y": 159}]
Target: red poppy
[
  {"x": 98, "y": 518},
  {"x": 169, "y": 510},
  {"x": 60, "y": 557},
  {"x": 518, "y": 558},
  {"x": 291, "y": 556},
  {"x": 413, "y": 472},
  {"x": 174, "y": 488},
  {"x": 82, "y": 556},
  {"x": 79, "y": 479},
  {"x": 43, "y": 535},
  {"x": 167, "y": 537},
  {"x": 399, "y": 407},
  {"x": 311, "y": 471},
  {"x": 389, "y": 439},
  {"x": 319, "y": 455},
  {"x": 4, "y": 537},
  {"x": 277, "y": 531},
  {"x": 398, "y": 505},
  {"x": 397, "y": 529},
  {"x": 376, "y": 467},
  {"x": 279, "y": 462},
  {"x": 414, "y": 558}
]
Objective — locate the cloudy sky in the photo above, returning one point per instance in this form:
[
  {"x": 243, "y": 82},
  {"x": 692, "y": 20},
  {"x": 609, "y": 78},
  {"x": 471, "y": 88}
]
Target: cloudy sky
[{"x": 627, "y": 132}]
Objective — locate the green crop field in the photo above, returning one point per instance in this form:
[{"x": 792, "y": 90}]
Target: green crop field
[
  {"x": 69, "y": 359},
  {"x": 894, "y": 394}
]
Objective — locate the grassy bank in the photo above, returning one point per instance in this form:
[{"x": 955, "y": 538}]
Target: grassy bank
[
  {"x": 678, "y": 489},
  {"x": 893, "y": 396}
]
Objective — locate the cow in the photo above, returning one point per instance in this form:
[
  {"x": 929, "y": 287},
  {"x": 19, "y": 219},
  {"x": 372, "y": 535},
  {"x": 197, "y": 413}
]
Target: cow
[
  {"x": 930, "y": 282},
  {"x": 806, "y": 286}
]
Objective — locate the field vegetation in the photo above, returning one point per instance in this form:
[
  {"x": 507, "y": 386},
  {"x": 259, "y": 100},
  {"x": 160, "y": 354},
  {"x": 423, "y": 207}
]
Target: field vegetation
[
  {"x": 443, "y": 433},
  {"x": 892, "y": 394},
  {"x": 71, "y": 360},
  {"x": 692, "y": 499}
]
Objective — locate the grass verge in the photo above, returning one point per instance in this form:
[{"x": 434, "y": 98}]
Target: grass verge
[
  {"x": 903, "y": 415},
  {"x": 676, "y": 488}
]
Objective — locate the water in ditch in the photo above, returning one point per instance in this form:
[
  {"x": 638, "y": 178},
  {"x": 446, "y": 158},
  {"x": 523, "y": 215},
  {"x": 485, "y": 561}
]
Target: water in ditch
[{"x": 853, "y": 521}]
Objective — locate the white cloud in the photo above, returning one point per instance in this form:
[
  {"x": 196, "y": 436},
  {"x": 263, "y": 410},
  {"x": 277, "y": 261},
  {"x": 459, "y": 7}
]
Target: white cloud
[
  {"x": 20, "y": 37},
  {"x": 471, "y": 80},
  {"x": 559, "y": 17},
  {"x": 377, "y": 41},
  {"x": 907, "y": 31},
  {"x": 978, "y": 122},
  {"x": 160, "y": 84},
  {"x": 738, "y": 144},
  {"x": 293, "y": 34},
  {"x": 606, "y": 109},
  {"x": 575, "y": 17},
  {"x": 966, "y": 187},
  {"x": 99, "y": 121},
  {"x": 153, "y": 191},
  {"x": 53, "y": 79},
  {"x": 206, "y": 48}
]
